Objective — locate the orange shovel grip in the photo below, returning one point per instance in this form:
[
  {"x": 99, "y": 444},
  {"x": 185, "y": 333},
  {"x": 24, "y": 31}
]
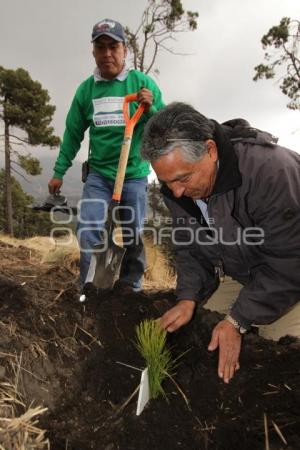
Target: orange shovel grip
[{"x": 130, "y": 122}]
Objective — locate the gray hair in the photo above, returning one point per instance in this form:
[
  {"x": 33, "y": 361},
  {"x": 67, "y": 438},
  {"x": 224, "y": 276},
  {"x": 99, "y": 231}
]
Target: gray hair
[{"x": 179, "y": 126}]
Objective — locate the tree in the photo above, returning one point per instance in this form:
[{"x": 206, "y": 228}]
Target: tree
[
  {"x": 160, "y": 21},
  {"x": 24, "y": 105},
  {"x": 26, "y": 223},
  {"x": 284, "y": 40},
  {"x": 155, "y": 201}
]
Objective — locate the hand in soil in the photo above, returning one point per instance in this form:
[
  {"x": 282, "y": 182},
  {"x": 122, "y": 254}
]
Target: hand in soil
[
  {"x": 177, "y": 316},
  {"x": 229, "y": 341}
]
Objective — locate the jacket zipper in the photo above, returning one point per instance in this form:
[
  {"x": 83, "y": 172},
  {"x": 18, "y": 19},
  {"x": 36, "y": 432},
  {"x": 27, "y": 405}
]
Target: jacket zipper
[{"x": 219, "y": 267}]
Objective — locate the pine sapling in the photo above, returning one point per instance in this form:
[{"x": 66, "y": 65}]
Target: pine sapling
[{"x": 151, "y": 343}]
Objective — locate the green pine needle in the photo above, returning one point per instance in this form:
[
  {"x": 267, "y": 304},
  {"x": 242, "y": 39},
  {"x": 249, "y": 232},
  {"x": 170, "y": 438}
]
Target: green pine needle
[{"x": 151, "y": 343}]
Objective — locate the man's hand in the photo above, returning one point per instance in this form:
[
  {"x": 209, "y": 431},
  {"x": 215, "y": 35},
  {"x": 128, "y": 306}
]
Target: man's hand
[
  {"x": 54, "y": 185},
  {"x": 229, "y": 341},
  {"x": 146, "y": 98},
  {"x": 178, "y": 315}
]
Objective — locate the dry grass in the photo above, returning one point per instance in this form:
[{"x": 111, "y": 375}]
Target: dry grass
[
  {"x": 57, "y": 252},
  {"x": 41, "y": 244},
  {"x": 159, "y": 274},
  {"x": 19, "y": 428},
  {"x": 19, "y": 432}
]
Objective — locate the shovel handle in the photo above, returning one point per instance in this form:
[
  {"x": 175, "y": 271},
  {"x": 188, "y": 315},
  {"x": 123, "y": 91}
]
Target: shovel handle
[{"x": 130, "y": 123}]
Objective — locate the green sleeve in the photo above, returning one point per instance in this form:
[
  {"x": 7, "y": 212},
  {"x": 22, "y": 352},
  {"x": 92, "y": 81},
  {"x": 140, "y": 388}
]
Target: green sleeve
[
  {"x": 157, "y": 99},
  {"x": 76, "y": 124}
]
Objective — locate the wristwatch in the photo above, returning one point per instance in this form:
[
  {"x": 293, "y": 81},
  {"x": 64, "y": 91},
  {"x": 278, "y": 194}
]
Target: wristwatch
[{"x": 235, "y": 323}]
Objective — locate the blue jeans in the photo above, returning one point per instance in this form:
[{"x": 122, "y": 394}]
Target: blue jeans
[{"x": 96, "y": 196}]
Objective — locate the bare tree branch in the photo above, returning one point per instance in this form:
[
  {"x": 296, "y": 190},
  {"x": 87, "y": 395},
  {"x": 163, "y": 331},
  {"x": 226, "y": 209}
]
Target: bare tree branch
[
  {"x": 153, "y": 58},
  {"x": 19, "y": 139},
  {"x": 17, "y": 172},
  {"x": 161, "y": 19},
  {"x": 169, "y": 50}
]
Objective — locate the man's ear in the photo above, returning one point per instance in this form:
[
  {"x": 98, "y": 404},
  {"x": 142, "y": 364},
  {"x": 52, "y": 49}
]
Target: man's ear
[
  {"x": 212, "y": 150},
  {"x": 125, "y": 51},
  {"x": 93, "y": 52}
]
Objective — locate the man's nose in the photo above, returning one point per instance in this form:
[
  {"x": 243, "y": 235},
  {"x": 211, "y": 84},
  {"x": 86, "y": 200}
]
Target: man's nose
[
  {"x": 107, "y": 51},
  {"x": 177, "y": 190}
]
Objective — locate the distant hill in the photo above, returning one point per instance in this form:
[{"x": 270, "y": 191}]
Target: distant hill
[{"x": 37, "y": 186}]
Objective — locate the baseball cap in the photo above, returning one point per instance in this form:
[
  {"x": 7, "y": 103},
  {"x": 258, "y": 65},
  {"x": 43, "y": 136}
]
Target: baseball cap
[{"x": 110, "y": 28}]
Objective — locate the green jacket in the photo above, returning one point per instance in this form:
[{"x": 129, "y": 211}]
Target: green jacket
[{"x": 97, "y": 105}]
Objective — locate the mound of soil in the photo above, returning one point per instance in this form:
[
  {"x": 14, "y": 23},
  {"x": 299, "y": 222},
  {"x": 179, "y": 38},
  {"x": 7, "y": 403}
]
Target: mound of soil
[{"x": 70, "y": 357}]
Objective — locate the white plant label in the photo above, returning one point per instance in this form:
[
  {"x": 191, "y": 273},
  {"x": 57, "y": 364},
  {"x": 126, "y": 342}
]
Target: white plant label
[{"x": 144, "y": 392}]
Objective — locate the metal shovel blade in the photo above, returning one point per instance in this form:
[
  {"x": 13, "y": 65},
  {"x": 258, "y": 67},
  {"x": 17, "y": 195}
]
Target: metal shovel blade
[
  {"x": 105, "y": 266},
  {"x": 107, "y": 256}
]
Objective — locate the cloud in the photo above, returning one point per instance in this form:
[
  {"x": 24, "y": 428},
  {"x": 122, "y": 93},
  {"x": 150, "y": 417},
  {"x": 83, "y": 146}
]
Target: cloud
[{"x": 52, "y": 41}]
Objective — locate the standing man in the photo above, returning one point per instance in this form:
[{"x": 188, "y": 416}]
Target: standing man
[
  {"x": 97, "y": 105},
  {"x": 234, "y": 195}
]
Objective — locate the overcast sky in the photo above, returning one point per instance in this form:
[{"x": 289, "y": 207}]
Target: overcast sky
[{"x": 51, "y": 39}]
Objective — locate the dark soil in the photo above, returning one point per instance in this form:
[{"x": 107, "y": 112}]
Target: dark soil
[{"x": 70, "y": 358}]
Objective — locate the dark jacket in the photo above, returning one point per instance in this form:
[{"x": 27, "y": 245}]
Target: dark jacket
[{"x": 255, "y": 237}]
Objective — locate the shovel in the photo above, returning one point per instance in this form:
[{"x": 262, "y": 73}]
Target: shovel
[{"x": 107, "y": 257}]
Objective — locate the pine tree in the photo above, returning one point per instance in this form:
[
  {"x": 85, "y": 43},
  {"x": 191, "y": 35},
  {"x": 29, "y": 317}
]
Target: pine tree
[
  {"x": 24, "y": 105},
  {"x": 283, "y": 43},
  {"x": 26, "y": 223}
]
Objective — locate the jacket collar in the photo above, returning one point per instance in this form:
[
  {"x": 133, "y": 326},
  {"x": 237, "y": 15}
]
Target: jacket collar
[
  {"x": 121, "y": 76},
  {"x": 228, "y": 176}
]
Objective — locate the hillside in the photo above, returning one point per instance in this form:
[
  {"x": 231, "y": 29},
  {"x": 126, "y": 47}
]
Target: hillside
[
  {"x": 37, "y": 186},
  {"x": 79, "y": 361}
]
